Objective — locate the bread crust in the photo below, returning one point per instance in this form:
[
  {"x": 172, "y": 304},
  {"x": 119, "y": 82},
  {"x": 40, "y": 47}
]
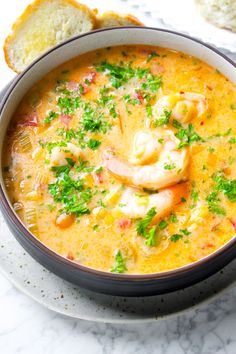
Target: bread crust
[
  {"x": 31, "y": 8},
  {"x": 117, "y": 17}
]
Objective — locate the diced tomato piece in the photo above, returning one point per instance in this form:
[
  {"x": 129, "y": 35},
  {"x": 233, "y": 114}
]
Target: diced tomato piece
[
  {"x": 124, "y": 223},
  {"x": 31, "y": 121}
]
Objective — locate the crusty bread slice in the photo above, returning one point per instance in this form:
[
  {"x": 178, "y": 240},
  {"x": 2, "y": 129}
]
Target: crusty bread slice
[
  {"x": 113, "y": 19},
  {"x": 42, "y": 25}
]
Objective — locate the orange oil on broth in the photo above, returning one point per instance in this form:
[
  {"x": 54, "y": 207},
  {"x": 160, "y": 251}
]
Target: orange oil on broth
[{"x": 94, "y": 239}]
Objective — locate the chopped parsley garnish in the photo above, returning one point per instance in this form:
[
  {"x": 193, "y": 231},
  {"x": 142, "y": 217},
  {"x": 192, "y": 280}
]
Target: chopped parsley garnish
[
  {"x": 152, "y": 83},
  {"x": 69, "y": 105},
  {"x": 143, "y": 228},
  {"x": 120, "y": 75},
  {"x": 50, "y": 117},
  {"x": 164, "y": 119},
  {"x": 51, "y": 145},
  {"x": 149, "y": 110},
  {"x": 176, "y": 237},
  {"x": 145, "y": 222},
  {"x": 134, "y": 101},
  {"x": 151, "y": 237},
  {"x": 94, "y": 144},
  {"x": 63, "y": 169},
  {"x": 151, "y": 56},
  {"x": 194, "y": 195},
  {"x": 119, "y": 266},
  {"x": 170, "y": 166},
  {"x": 93, "y": 120},
  {"x": 185, "y": 232},
  {"x": 84, "y": 166},
  {"x": 163, "y": 224},
  {"x": 176, "y": 124},
  {"x": 226, "y": 186},
  {"x": 213, "y": 201},
  {"x": 107, "y": 101},
  {"x": 232, "y": 140},
  {"x": 180, "y": 235},
  {"x": 187, "y": 136},
  {"x": 70, "y": 192},
  {"x": 173, "y": 218},
  {"x": 70, "y": 134}
]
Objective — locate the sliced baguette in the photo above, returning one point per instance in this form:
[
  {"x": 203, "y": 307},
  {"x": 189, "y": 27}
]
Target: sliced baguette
[
  {"x": 44, "y": 24},
  {"x": 113, "y": 19}
]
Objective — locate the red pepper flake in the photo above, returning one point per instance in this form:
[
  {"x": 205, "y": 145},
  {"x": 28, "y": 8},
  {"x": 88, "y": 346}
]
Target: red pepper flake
[
  {"x": 233, "y": 223},
  {"x": 65, "y": 119},
  {"x": 182, "y": 92},
  {"x": 70, "y": 256},
  {"x": 201, "y": 123},
  {"x": 31, "y": 121},
  {"x": 124, "y": 223},
  {"x": 139, "y": 96}
]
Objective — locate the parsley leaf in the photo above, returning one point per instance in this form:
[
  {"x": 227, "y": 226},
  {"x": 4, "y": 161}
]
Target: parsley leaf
[
  {"x": 50, "y": 117},
  {"x": 145, "y": 222},
  {"x": 226, "y": 186},
  {"x": 94, "y": 144},
  {"x": 213, "y": 204},
  {"x": 176, "y": 237},
  {"x": 151, "y": 56},
  {"x": 120, "y": 266},
  {"x": 68, "y": 105},
  {"x": 187, "y": 136},
  {"x": 151, "y": 237},
  {"x": 164, "y": 119},
  {"x": 170, "y": 166}
]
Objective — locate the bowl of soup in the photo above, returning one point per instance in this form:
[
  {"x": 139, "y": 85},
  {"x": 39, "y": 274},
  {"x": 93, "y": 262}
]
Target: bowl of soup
[{"x": 118, "y": 160}]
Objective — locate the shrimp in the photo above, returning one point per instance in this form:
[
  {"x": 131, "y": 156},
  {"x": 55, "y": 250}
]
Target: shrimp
[
  {"x": 60, "y": 153},
  {"x": 134, "y": 204},
  {"x": 183, "y": 106},
  {"x": 169, "y": 163}
]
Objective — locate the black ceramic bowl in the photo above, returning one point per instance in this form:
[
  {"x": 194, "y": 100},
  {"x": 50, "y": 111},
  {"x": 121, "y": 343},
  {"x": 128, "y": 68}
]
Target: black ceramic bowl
[{"x": 104, "y": 282}]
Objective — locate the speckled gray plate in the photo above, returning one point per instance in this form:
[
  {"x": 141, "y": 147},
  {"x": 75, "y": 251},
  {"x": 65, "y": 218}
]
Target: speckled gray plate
[{"x": 65, "y": 298}]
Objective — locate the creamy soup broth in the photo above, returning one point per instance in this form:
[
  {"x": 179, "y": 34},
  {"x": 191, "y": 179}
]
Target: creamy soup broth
[{"x": 124, "y": 160}]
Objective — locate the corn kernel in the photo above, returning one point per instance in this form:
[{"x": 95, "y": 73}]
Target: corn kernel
[
  {"x": 112, "y": 198},
  {"x": 32, "y": 196}
]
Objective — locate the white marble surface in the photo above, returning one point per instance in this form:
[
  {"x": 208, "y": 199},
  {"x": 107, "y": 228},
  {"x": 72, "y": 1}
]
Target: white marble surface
[{"x": 26, "y": 327}]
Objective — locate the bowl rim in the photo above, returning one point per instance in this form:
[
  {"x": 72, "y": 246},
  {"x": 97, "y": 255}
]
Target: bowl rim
[{"x": 22, "y": 229}]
